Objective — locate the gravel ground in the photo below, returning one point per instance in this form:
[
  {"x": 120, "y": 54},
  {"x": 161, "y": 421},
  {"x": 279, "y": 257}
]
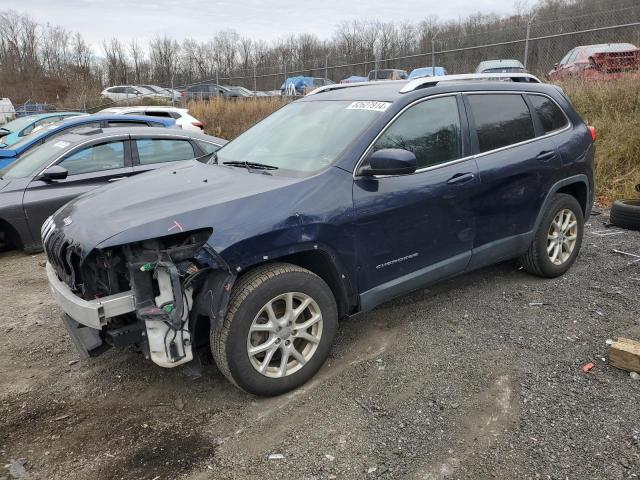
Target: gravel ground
[{"x": 477, "y": 377}]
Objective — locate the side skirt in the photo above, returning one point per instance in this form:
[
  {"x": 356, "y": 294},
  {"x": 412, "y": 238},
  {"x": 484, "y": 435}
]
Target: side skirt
[{"x": 413, "y": 281}]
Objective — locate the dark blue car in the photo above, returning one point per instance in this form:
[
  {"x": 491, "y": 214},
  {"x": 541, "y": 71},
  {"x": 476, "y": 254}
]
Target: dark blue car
[
  {"x": 9, "y": 154},
  {"x": 334, "y": 204}
]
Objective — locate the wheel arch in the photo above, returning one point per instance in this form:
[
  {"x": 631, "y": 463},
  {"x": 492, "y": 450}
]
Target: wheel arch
[
  {"x": 576, "y": 186},
  {"x": 324, "y": 263},
  {"x": 580, "y": 191},
  {"x": 12, "y": 232}
]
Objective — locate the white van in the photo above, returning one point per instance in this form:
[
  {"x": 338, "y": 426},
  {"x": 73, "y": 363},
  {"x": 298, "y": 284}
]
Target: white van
[{"x": 7, "y": 112}]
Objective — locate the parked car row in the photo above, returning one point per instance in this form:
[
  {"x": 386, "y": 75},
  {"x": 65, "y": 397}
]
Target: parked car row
[
  {"x": 590, "y": 61},
  {"x": 47, "y": 159},
  {"x": 73, "y": 161},
  {"x": 119, "y": 93}
]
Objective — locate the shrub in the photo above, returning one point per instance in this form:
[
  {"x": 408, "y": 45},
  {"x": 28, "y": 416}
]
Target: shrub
[
  {"x": 229, "y": 118},
  {"x": 613, "y": 107}
]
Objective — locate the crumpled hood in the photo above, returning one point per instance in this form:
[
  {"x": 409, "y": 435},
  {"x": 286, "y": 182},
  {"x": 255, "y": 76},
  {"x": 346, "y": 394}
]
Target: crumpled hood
[{"x": 163, "y": 202}]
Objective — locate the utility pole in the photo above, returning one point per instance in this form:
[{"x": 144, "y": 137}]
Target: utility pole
[
  {"x": 285, "y": 76},
  {"x": 173, "y": 97},
  {"x": 526, "y": 41},
  {"x": 255, "y": 79},
  {"x": 433, "y": 53}
]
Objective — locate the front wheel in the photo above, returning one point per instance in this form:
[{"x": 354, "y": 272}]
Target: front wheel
[
  {"x": 277, "y": 331},
  {"x": 557, "y": 240}
]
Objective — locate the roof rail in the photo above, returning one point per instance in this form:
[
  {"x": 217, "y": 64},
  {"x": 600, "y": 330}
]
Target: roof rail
[
  {"x": 412, "y": 85},
  {"x": 433, "y": 81},
  {"x": 339, "y": 86}
]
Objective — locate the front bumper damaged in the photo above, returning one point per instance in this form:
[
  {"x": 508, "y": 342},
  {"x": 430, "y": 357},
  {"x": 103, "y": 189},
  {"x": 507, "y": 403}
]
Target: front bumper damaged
[
  {"x": 90, "y": 313},
  {"x": 174, "y": 292}
]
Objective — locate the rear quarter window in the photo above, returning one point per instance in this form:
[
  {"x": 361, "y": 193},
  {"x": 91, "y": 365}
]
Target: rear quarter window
[
  {"x": 551, "y": 116},
  {"x": 501, "y": 120}
]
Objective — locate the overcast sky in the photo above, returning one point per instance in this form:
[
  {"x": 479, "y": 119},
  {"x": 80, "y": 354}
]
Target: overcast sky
[{"x": 199, "y": 19}]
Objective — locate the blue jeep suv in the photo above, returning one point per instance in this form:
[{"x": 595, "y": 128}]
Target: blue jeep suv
[{"x": 332, "y": 205}]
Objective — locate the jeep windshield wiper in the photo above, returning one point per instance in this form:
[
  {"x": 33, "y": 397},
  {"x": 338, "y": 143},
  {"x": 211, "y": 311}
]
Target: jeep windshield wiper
[{"x": 250, "y": 165}]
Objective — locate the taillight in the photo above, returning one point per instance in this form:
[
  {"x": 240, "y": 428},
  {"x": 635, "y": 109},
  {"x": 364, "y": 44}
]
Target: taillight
[
  {"x": 592, "y": 131},
  {"x": 198, "y": 124}
]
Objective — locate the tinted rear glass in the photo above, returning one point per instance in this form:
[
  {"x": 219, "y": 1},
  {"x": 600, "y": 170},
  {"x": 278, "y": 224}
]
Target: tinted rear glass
[
  {"x": 501, "y": 120},
  {"x": 549, "y": 113}
]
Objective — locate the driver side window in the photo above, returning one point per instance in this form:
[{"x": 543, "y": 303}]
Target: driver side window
[
  {"x": 430, "y": 130},
  {"x": 96, "y": 158}
]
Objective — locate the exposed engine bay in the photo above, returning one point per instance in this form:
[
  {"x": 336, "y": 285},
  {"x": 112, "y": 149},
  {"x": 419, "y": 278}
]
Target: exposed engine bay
[{"x": 178, "y": 284}]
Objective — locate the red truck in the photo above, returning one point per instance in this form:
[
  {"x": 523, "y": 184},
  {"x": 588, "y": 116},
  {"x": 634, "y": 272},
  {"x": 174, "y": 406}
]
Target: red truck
[{"x": 598, "y": 61}]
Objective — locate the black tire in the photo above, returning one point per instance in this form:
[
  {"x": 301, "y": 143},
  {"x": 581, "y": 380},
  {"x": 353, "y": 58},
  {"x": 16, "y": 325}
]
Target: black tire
[
  {"x": 536, "y": 260},
  {"x": 626, "y": 214},
  {"x": 249, "y": 295}
]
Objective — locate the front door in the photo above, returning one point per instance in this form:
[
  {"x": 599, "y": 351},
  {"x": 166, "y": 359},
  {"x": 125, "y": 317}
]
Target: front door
[
  {"x": 89, "y": 168},
  {"x": 418, "y": 228}
]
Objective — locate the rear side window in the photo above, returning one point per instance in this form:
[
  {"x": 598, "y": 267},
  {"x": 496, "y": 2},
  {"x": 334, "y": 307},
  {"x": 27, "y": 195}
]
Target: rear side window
[
  {"x": 501, "y": 120},
  {"x": 157, "y": 113},
  {"x": 96, "y": 158},
  {"x": 163, "y": 150},
  {"x": 430, "y": 129},
  {"x": 550, "y": 115}
]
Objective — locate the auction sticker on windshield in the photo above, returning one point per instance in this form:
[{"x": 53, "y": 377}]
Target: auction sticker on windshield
[
  {"x": 368, "y": 105},
  {"x": 61, "y": 144}
]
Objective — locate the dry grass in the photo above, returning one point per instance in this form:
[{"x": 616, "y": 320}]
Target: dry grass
[
  {"x": 229, "y": 118},
  {"x": 612, "y": 106}
]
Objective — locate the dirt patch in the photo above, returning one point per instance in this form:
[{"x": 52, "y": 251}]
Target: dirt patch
[{"x": 478, "y": 377}]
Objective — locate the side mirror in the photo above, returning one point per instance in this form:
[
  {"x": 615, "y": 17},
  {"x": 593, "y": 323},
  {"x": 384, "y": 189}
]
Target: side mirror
[
  {"x": 390, "y": 161},
  {"x": 54, "y": 172}
]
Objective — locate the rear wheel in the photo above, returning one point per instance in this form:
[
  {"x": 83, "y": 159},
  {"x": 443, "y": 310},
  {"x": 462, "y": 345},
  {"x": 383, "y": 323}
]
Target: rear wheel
[
  {"x": 278, "y": 329},
  {"x": 557, "y": 240}
]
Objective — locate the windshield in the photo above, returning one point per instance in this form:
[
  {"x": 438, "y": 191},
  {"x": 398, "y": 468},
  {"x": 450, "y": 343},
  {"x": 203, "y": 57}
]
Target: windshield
[
  {"x": 34, "y": 160},
  {"x": 303, "y": 137},
  {"x": 18, "y": 124}
]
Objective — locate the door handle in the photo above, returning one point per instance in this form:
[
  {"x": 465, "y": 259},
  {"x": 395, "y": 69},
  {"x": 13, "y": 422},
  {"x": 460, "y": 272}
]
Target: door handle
[
  {"x": 460, "y": 178},
  {"x": 546, "y": 155},
  {"x": 115, "y": 179}
]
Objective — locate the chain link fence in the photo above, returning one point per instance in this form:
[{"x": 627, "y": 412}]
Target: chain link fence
[{"x": 537, "y": 43}]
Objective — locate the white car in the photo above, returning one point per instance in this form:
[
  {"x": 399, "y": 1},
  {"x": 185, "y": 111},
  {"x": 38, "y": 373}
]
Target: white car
[
  {"x": 119, "y": 93},
  {"x": 7, "y": 112},
  {"x": 181, "y": 115}
]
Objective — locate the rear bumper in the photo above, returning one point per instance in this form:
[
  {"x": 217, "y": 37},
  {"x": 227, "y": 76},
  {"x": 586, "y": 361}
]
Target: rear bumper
[{"x": 90, "y": 313}]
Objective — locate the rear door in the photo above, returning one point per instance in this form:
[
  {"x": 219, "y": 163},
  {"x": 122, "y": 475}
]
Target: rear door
[
  {"x": 518, "y": 163},
  {"x": 89, "y": 167}
]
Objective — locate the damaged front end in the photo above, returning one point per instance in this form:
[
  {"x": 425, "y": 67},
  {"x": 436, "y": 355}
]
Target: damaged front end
[{"x": 157, "y": 294}]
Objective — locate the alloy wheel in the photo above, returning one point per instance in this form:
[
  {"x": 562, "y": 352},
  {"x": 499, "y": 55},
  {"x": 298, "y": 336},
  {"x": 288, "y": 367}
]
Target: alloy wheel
[
  {"x": 285, "y": 334},
  {"x": 562, "y": 236}
]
